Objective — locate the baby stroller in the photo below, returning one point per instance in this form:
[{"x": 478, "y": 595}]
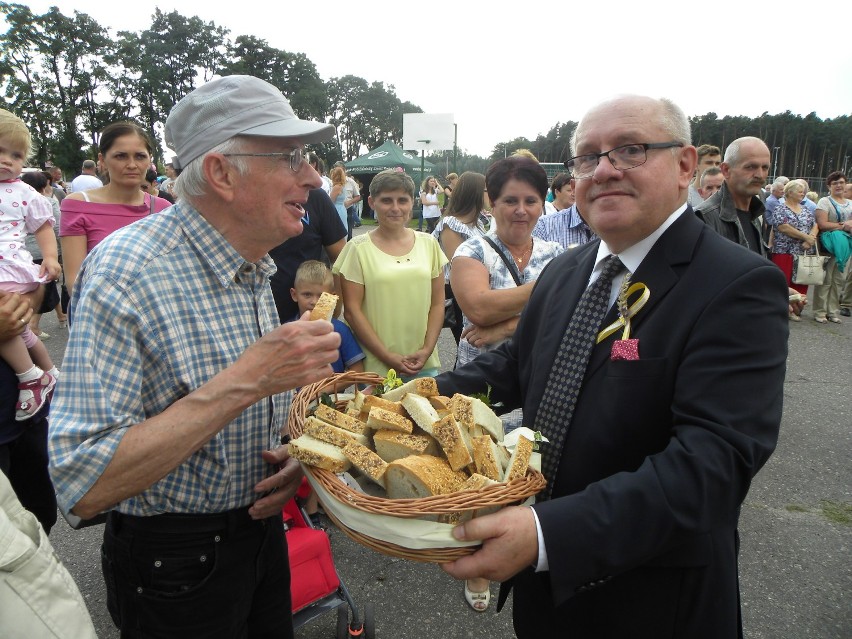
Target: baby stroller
[{"x": 315, "y": 586}]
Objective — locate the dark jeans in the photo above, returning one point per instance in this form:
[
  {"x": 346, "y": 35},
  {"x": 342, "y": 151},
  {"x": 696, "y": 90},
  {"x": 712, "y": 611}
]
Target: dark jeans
[
  {"x": 214, "y": 576},
  {"x": 24, "y": 461}
]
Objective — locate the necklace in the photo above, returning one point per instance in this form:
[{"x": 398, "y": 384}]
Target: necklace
[{"x": 524, "y": 255}]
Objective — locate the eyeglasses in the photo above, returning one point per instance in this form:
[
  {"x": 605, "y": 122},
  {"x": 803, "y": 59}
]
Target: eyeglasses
[
  {"x": 627, "y": 156},
  {"x": 296, "y": 157}
]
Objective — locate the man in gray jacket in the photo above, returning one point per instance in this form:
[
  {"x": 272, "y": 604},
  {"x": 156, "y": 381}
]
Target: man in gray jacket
[{"x": 735, "y": 211}]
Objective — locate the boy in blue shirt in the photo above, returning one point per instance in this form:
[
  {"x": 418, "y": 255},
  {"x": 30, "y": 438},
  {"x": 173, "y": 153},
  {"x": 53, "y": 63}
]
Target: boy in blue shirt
[{"x": 313, "y": 278}]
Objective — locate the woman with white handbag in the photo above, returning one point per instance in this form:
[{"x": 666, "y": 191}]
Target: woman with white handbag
[
  {"x": 834, "y": 216},
  {"x": 794, "y": 235}
]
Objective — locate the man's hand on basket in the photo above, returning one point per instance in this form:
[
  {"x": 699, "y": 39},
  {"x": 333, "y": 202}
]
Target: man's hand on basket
[
  {"x": 510, "y": 544},
  {"x": 280, "y": 487}
]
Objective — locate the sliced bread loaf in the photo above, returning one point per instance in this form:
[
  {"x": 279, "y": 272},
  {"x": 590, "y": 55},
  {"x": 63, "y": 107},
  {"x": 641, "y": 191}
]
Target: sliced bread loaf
[{"x": 421, "y": 476}]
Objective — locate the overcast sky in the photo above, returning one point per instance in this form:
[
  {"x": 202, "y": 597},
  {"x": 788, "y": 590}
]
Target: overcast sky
[{"x": 511, "y": 69}]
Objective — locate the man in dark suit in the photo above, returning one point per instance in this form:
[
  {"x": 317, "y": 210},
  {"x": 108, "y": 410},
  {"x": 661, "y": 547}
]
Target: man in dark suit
[{"x": 639, "y": 537}]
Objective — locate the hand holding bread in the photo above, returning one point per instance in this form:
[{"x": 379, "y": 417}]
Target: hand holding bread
[{"x": 292, "y": 355}]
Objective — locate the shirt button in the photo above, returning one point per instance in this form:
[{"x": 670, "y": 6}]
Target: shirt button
[{"x": 158, "y": 564}]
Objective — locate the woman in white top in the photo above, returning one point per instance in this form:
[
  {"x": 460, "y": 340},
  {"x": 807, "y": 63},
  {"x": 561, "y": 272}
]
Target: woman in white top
[
  {"x": 429, "y": 199},
  {"x": 462, "y": 220},
  {"x": 834, "y": 213}
]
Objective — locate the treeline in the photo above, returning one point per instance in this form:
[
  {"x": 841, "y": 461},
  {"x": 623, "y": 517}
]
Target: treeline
[
  {"x": 68, "y": 77},
  {"x": 800, "y": 146}
]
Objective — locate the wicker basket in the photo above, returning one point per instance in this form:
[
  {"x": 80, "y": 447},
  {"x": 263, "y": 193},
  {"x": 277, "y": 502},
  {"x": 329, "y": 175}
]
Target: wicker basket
[{"x": 514, "y": 492}]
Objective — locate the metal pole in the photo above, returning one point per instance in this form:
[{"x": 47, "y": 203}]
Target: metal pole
[
  {"x": 775, "y": 169},
  {"x": 455, "y": 148}
]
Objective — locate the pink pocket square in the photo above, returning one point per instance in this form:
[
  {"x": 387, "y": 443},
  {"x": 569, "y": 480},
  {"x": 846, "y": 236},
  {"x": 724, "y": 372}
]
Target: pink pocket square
[{"x": 625, "y": 349}]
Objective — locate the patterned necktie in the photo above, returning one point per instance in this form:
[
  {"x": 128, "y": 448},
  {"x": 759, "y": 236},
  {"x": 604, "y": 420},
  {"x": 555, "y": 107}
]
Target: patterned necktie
[{"x": 566, "y": 376}]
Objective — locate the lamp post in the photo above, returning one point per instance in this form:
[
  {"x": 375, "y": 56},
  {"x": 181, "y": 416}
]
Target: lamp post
[
  {"x": 422, "y": 174},
  {"x": 775, "y": 168}
]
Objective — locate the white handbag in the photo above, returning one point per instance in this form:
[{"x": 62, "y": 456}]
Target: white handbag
[{"x": 809, "y": 269}]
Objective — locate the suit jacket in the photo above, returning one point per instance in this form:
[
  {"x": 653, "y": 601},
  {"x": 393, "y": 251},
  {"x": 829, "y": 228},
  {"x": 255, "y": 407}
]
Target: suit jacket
[{"x": 641, "y": 531}]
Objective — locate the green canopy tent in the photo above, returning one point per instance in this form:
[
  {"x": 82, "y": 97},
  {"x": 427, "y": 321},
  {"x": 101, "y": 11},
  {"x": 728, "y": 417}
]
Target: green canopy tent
[{"x": 388, "y": 156}]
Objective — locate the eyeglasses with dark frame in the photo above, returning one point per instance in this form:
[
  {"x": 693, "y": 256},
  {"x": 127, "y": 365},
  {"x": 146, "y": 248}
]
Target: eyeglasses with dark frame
[
  {"x": 623, "y": 158},
  {"x": 296, "y": 157}
]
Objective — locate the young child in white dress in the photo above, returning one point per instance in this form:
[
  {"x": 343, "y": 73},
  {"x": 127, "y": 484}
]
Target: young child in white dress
[{"x": 24, "y": 211}]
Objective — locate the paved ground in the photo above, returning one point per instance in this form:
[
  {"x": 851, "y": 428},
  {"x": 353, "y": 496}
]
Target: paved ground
[{"x": 795, "y": 568}]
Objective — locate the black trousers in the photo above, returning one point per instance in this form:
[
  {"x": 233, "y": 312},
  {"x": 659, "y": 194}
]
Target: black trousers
[
  {"x": 214, "y": 576},
  {"x": 24, "y": 462}
]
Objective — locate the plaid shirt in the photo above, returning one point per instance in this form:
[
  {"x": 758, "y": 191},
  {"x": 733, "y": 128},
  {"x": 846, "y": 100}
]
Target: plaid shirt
[
  {"x": 159, "y": 308},
  {"x": 566, "y": 228}
]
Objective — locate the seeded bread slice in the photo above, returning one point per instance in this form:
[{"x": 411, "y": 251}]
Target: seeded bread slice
[
  {"x": 380, "y": 418},
  {"x": 520, "y": 460},
  {"x": 392, "y": 445},
  {"x": 318, "y": 429},
  {"x": 324, "y": 308},
  {"x": 449, "y": 436},
  {"x": 379, "y": 402},
  {"x": 367, "y": 462},
  {"x": 473, "y": 413},
  {"x": 336, "y": 418},
  {"x": 423, "y": 386},
  {"x": 485, "y": 457},
  {"x": 318, "y": 453}
]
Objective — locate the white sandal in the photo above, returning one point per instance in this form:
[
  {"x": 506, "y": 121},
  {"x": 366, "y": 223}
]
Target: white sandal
[{"x": 477, "y": 600}]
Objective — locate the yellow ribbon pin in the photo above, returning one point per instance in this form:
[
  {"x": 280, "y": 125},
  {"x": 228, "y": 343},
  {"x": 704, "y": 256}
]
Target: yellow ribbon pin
[{"x": 626, "y": 310}]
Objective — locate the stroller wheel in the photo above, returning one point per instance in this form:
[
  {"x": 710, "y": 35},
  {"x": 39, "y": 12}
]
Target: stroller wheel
[
  {"x": 369, "y": 621},
  {"x": 342, "y": 622}
]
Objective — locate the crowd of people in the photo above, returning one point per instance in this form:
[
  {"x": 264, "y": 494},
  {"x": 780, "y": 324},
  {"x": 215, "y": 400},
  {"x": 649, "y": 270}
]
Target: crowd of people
[{"x": 186, "y": 300}]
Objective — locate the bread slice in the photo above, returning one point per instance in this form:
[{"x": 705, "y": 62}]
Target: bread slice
[
  {"x": 421, "y": 476},
  {"x": 380, "y": 418},
  {"x": 371, "y": 400},
  {"x": 423, "y": 386},
  {"x": 472, "y": 413},
  {"x": 485, "y": 456},
  {"x": 421, "y": 411},
  {"x": 503, "y": 456},
  {"x": 367, "y": 462},
  {"x": 324, "y": 308},
  {"x": 520, "y": 460},
  {"x": 392, "y": 445},
  {"x": 449, "y": 436},
  {"x": 477, "y": 481},
  {"x": 336, "y": 418},
  {"x": 440, "y": 402},
  {"x": 319, "y": 454},
  {"x": 318, "y": 429}
]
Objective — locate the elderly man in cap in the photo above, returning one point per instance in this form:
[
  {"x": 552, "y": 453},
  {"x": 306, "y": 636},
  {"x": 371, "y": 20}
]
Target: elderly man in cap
[{"x": 175, "y": 388}]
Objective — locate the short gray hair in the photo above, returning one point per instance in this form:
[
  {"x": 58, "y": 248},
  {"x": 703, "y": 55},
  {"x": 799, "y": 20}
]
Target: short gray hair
[
  {"x": 191, "y": 183},
  {"x": 732, "y": 153},
  {"x": 673, "y": 121}
]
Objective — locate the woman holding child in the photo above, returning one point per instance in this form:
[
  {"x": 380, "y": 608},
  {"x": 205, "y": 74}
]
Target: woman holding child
[{"x": 392, "y": 282}]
